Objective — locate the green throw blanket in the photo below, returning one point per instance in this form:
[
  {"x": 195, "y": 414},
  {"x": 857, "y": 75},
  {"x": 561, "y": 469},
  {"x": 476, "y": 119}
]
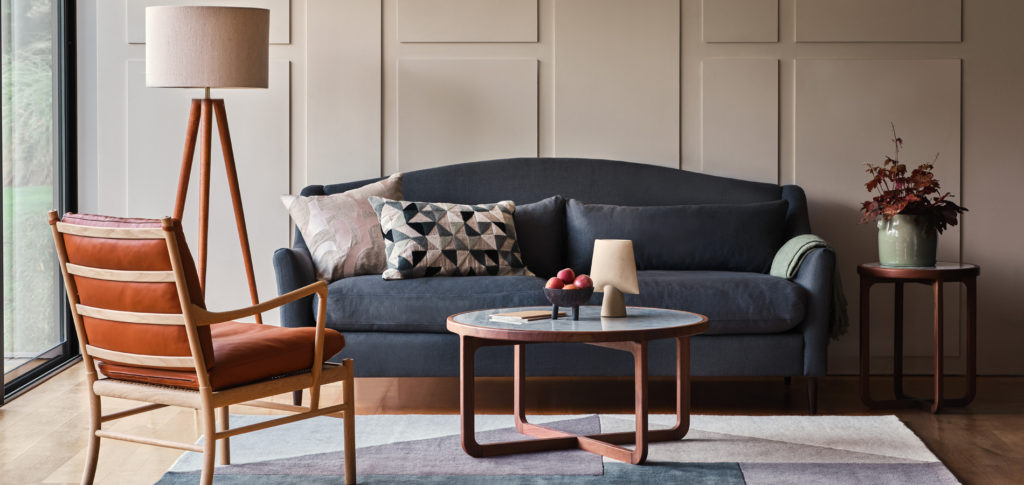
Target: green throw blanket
[{"x": 786, "y": 264}]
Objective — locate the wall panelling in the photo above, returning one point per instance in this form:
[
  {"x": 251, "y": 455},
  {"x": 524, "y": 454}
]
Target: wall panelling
[
  {"x": 280, "y": 16},
  {"x": 463, "y": 110},
  {"x": 740, "y": 20},
  {"x": 740, "y": 118},
  {"x": 467, "y": 20},
  {"x": 878, "y": 20},
  {"x": 611, "y": 102}
]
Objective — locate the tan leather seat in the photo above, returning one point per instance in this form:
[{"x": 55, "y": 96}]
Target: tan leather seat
[{"x": 244, "y": 353}]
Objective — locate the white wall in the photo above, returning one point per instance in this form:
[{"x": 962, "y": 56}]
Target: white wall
[{"x": 783, "y": 91}]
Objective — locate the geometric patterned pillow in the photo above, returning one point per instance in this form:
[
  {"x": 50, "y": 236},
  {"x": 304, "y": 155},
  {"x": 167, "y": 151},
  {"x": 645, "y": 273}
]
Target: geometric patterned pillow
[
  {"x": 341, "y": 230},
  {"x": 441, "y": 239}
]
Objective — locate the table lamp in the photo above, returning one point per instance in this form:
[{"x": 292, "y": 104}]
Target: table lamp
[
  {"x": 208, "y": 47},
  {"x": 613, "y": 270}
]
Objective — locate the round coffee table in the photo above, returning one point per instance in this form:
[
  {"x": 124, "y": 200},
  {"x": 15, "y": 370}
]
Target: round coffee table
[{"x": 630, "y": 334}]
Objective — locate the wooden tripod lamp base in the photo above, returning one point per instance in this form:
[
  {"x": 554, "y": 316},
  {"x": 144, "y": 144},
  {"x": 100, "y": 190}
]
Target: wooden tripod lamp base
[{"x": 200, "y": 120}]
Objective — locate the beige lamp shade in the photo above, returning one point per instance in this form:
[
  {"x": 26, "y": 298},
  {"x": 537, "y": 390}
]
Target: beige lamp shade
[
  {"x": 614, "y": 264},
  {"x": 207, "y": 47}
]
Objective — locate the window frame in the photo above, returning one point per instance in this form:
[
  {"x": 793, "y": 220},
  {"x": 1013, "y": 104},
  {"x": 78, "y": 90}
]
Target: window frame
[{"x": 65, "y": 195}]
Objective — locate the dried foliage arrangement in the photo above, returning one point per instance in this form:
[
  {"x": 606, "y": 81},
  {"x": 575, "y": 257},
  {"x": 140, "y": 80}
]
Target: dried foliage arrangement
[{"x": 915, "y": 193}]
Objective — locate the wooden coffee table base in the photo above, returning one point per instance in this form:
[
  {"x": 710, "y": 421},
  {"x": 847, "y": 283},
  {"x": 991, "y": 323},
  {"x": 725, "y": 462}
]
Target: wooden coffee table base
[{"x": 547, "y": 439}]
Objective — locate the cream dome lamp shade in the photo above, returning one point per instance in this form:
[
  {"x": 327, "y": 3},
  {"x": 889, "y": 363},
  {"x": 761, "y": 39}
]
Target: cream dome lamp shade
[
  {"x": 207, "y": 47},
  {"x": 613, "y": 270}
]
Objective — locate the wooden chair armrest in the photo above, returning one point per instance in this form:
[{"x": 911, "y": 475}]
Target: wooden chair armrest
[{"x": 205, "y": 317}]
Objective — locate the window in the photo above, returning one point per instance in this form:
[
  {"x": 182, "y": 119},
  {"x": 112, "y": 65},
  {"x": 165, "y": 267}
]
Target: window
[{"x": 38, "y": 175}]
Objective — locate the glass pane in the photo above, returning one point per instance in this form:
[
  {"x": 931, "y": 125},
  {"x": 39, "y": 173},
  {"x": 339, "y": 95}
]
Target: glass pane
[{"x": 32, "y": 325}]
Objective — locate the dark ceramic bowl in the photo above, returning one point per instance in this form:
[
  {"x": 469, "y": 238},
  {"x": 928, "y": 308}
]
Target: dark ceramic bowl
[{"x": 568, "y": 298}]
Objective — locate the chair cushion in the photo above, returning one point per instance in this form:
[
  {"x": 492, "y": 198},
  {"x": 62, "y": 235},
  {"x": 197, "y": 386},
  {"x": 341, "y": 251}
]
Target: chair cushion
[
  {"x": 735, "y": 303},
  {"x": 245, "y": 353},
  {"x": 721, "y": 237},
  {"x": 370, "y": 304}
]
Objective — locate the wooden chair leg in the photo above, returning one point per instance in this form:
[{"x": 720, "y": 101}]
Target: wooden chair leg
[
  {"x": 93, "y": 455},
  {"x": 350, "y": 424},
  {"x": 297, "y": 397},
  {"x": 224, "y": 445},
  {"x": 209, "y": 446}
]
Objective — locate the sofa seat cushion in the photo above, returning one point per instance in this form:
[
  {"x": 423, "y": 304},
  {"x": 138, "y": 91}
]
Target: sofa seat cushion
[
  {"x": 371, "y": 304},
  {"x": 734, "y": 302},
  {"x": 244, "y": 353}
]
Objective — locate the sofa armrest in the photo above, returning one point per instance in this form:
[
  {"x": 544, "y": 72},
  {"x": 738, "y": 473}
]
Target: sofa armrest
[
  {"x": 294, "y": 269},
  {"x": 815, "y": 276}
]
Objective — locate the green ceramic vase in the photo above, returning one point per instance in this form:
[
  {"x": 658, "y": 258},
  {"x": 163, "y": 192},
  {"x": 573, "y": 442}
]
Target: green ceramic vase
[{"x": 906, "y": 241}]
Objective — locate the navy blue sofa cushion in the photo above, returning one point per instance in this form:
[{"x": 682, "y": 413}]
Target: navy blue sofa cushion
[
  {"x": 540, "y": 228},
  {"x": 526, "y": 180},
  {"x": 736, "y": 303},
  {"x": 723, "y": 237},
  {"x": 370, "y": 303}
]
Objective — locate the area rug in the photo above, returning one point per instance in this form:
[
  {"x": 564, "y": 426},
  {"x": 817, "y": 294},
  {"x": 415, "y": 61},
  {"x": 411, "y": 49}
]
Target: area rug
[{"x": 718, "y": 450}]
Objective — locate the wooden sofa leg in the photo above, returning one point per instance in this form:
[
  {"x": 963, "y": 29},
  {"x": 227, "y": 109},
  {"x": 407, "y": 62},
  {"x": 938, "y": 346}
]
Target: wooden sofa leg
[
  {"x": 297, "y": 397},
  {"x": 812, "y": 394}
]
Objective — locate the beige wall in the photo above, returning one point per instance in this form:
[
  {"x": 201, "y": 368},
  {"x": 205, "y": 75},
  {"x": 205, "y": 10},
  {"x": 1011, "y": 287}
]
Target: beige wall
[{"x": 782, "y": 91}]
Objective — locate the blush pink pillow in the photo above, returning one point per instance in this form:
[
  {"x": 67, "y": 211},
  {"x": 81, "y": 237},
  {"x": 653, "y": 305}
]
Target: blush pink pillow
[{"x": 342, "y": 230}]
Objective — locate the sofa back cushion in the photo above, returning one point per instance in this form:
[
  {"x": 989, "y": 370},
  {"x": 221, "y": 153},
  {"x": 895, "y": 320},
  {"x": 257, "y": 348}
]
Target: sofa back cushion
[
  {"x": 540, "y": 227},
  {"x": 722, "y": 237},
  {"x": 526, "y": 180}
]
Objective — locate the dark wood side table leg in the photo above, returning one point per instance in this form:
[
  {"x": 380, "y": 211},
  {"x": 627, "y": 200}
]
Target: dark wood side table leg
[
  {"x": 865, "y": 341},
  {"x": 937, "y": 289},
  {"x": 897, "y": 343},
  {"x": 519, "y": 387},
  {"x": 467, "y": 393},
  {"x": 972, "y": 340},
  {"x": 972, "y": 345},
  {"x": 682, "y": 426},
  {"x": 639, "y": 454}
]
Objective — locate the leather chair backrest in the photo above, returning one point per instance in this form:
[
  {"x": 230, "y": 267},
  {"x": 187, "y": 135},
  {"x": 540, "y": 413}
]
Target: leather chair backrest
[{"x": 142, "y": 297}]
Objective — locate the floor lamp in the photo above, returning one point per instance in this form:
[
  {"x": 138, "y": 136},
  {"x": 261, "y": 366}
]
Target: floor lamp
[{"x": 208, "y": 47}]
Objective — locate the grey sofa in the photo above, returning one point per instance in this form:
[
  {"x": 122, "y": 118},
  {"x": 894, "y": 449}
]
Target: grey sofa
[{"x": 760, "y": 325}]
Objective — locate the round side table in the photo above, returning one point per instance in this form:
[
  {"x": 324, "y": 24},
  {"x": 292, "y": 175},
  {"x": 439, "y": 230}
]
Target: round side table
[{"x": 872, "y": 273}]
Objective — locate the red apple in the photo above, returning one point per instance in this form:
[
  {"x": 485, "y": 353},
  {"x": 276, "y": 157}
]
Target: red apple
[
  {"x": 583, "y": 281},
  {"x": 567, "y": 275},
  {"x": 570, "y": 287},
  {"x": 554, "y": 283}
]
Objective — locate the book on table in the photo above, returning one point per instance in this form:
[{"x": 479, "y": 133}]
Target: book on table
[{"x": 523, "y": 316}]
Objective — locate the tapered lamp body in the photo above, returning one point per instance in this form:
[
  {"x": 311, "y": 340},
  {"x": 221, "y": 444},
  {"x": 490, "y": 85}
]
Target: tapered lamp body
[{"x": 613, "y": 270}]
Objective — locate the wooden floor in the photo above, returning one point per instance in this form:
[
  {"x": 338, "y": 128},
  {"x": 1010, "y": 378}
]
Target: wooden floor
[{"x": 42, "y": 434}]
